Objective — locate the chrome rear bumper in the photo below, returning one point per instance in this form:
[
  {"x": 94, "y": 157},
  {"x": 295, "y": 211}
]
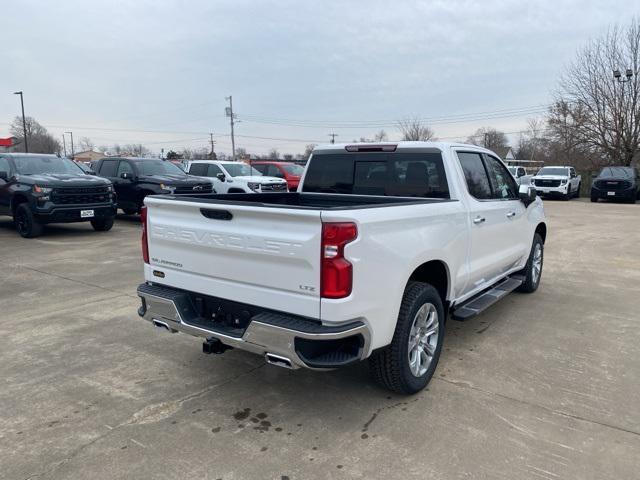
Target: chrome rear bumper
[{"x": 267, "y": 333}]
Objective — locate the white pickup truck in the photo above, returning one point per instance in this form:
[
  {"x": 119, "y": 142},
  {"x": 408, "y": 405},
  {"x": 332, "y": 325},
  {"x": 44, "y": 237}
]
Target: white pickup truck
[
  {"x": 379, "y": 246},
  {"x": 562, "y": 182}
]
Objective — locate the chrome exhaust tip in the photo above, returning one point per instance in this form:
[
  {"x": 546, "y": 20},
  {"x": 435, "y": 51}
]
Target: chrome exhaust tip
[{"x": 278, "y": 360}]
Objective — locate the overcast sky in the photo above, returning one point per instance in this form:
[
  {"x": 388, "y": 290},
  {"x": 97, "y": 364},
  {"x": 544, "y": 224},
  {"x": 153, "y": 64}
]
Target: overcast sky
[{"x": 157, "y": 72}]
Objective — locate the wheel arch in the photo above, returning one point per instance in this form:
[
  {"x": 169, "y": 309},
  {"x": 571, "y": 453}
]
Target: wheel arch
[
  {"x": 541, "y": 230},
  {"x": 16, "y": 200},
  {"x": 435, "y": 273}
]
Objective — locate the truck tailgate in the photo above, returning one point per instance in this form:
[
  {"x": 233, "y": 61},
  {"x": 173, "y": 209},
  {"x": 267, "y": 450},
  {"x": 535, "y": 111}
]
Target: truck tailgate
[{"x": 244, "y": 253}]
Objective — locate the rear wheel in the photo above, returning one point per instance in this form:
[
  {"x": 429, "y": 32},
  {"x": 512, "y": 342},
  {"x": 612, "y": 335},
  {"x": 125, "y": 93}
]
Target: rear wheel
[
  {"x": 26, "y": 225},
  {"x": 408, "y": 363},
  {"x": 533, "y": 270},
  {"x": 102, "y": 224}
]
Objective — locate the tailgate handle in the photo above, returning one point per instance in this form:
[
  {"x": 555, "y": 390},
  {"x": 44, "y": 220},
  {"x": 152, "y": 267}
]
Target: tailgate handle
[{"x": 216, "y": 214}]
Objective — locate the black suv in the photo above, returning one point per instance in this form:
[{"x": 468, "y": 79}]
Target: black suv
[
  {"x": 616, "y": 183},
  {"x": 38, "y": 189},
  {"x": 135, "y": 178}
]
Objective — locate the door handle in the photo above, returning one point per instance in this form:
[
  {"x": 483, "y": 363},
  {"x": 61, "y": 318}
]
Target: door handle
[
  {"x": 478, "y": 220},
  {"x": 511, "y": 214}
]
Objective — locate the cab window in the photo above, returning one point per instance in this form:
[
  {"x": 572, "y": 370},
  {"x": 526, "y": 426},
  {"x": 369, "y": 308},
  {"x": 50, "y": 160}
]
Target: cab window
[
  {"x": 124, "y": 167},
  {"x": 503, "y": 184},
  {"x": 476, "y": 175},
  {"x": 108, "y": 168}
]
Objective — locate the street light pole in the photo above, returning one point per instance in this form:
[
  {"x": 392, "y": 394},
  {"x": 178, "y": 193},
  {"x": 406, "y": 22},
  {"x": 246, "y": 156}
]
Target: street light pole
[
  {"x": 24, "y": 122},
  {"x": 72, "y": 151},
  {"x": 64, "y": 145},
  {"x": 617, "y": 75}
]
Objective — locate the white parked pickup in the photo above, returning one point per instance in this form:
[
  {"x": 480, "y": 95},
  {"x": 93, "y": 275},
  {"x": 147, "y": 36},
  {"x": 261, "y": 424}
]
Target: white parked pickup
[
  {"x": 235, "y": 177},
  {"x": 557, "y": 182},
  {"x": 381, "y": 244}
]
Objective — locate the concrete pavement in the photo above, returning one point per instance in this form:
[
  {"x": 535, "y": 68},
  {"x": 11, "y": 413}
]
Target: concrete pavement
[{"x": 539, "y": 386}]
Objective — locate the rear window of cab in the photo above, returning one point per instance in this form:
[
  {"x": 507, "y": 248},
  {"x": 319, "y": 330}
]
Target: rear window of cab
[{"x": 396, "y": 174}]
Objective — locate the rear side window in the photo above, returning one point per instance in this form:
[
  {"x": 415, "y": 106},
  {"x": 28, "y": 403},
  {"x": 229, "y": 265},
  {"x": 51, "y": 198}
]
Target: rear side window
[
  {"x": 198, "y": 169},
  {"x": 475, "y": 175},
  {"x": 108, "y": 168},
  {"x": 397, "y": 174}
]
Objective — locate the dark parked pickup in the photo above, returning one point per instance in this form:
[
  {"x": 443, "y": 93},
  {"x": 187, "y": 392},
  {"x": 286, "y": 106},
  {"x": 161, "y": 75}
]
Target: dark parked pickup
[
  {"x": 616, "y": 183},
  {"x": 38, "y": 189},
  {"x": 135, "y": 178}
]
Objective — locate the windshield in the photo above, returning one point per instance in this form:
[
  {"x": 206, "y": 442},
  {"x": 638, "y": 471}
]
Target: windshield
[
  {"x": 158, "y": 167},
  {"x": 554, "y": 171},
  {"x": 241, "y": 170},
  {"x": 620, "y": 172},
  {"x": 46, "y": 164},
  {"x": 293, "y": 169}
]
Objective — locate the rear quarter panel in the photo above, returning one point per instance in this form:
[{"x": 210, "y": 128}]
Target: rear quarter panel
[{"x": 392, "y": 242}]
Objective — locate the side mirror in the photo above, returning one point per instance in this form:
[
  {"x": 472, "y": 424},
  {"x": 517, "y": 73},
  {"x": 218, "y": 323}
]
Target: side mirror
[
  {"x": 126, "y": 176},
  {"x": 221, "y": 177},
  {"x": 527, "y": 194},
  {"x": 4, "y": 176}
]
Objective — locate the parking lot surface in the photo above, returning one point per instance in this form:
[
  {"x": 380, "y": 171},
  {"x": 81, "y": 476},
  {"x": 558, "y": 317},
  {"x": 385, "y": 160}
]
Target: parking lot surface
[{"x": 541, "y": 386}]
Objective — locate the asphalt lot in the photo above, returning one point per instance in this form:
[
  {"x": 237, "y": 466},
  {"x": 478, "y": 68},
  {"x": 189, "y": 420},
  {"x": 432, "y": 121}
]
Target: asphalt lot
[{"x": 539, "y": 386}]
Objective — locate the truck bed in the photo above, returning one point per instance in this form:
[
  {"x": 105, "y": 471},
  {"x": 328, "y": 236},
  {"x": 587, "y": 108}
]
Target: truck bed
[{"x": 307, "y": 201}]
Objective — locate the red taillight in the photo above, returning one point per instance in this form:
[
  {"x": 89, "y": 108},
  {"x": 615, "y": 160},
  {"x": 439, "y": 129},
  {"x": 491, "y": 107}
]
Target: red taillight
[
  {"x": 336, "y": 276},
  {"x": 145, "y": 243}
]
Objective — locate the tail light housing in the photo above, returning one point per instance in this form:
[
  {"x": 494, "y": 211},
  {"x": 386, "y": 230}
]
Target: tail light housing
[
  {"x": 336, "y": 275},
  {"x": 145, "y": 243}
]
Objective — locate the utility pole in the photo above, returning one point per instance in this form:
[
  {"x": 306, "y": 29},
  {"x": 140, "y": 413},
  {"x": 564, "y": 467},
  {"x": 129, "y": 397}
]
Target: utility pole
[
  {"x": 333, "y": 137},
  {"x": 212, "y": 154},
  {"x": 24, "y": 123},
  {"x": 229, "y": 113},
  {"x": 486, "y": 135},
  {"x": 64, "y": 145},
  {"x": 73, "y": 154}
]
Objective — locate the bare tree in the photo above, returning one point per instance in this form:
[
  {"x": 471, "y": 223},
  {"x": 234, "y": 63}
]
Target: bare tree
[
  {"x": 86, "y": 144},
  {"x": 530, "y": 141},
  {"x": 413, "y": 129},
  {"x": 39, "y": 139},
  {"x": 381, "y": 136},
  {"x": 608, "y": 109},
  {"x": 273, "y": 154},
  {"x": 489, "y": 137}
]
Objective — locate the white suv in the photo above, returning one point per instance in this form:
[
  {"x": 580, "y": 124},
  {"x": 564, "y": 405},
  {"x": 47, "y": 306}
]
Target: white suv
[{"x": 235, "y": 177}]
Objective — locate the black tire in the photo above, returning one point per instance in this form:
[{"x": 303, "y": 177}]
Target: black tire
[
  {"x": 102, "y": 224},
  {"x": 25, "y": 223},
  {"x": 532, "y": 280},
  {"x": 567, "y": 196},
  {"x": 130, "y": 211},
  {"x": 390, "y": 366},
  {"x": 594, "y": 198},
  {"x": 577, "y": 195}
]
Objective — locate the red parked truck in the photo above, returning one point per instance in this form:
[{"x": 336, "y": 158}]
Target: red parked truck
[{"x": 289, "y": 171}]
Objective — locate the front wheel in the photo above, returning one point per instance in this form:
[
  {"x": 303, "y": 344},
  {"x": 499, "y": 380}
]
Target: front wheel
[
  {"x": 25, "y": 222},
  {"x": 533, "y": 270},
  {"x": 408, "y": 363},
  {"x": 577, "y": 195},
  {"x": 102, "y": 224}
]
